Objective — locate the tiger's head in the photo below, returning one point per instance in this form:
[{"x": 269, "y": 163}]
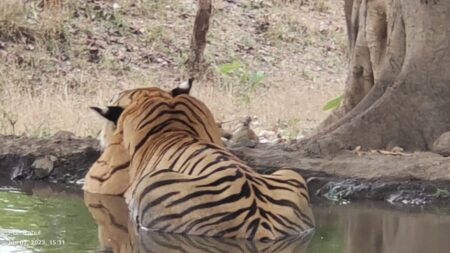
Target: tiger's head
[
  {"x": 110, "y": 173},
  {"x": 120, "y": 102}
]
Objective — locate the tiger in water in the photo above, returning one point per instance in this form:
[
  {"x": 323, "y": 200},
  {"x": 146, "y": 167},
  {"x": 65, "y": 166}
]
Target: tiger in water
[
  {"x": 166, "y": 157},
  {"x": 116, "y": 233}
]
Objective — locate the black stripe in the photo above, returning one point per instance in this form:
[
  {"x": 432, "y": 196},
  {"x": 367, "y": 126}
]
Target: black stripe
[
  {"x": 217, "y": 160},
  {"x": 245, "y": 192},
  {"x": 226, "y": 217},
  {"x": 196, "y": 195},
  {"x": 269, "y": 186},
  {"x": 158, "y": 184},
  {"x": 162, "y": 198},
  {"x": 149, "y": 113},
  {"x": 198, "y": 221},
  {"x": 158, "y": 128},
  {"x": 181, "y": 149},
  {"x": 198, "y": 118},
  {"x": 165, "y": 144},
  {"x": 292, "y": 182},
  {"x": 166, "y": 112},
  {"x": 194, "y": 166},
  {"x": 224, "y": 179},
  {"x": 253, "y": 227},
  {"x": 265, "y": 213},
  {"x": 286, "y": 203},
  {"x": 258, "y": 194},
  {"x": 192, "y": 156},
  {"x": 208, "y": 165}
]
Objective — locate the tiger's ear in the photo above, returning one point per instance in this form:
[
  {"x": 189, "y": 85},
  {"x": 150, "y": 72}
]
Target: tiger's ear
[
  {"x": 184, "y": 88},
  {"x": 111, "y": 113}
]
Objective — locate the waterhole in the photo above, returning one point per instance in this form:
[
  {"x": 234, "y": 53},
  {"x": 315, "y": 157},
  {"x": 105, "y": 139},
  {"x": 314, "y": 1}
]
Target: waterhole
[{"x": 38, "y": 217}]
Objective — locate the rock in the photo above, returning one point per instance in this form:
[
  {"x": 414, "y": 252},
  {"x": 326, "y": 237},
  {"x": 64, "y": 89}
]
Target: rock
[
  {"x": 43, "y": 166},
  {"x": 64, "y": 135},
  {"x": 80, "y": 182},
  {"x": 442, "y": 144}
]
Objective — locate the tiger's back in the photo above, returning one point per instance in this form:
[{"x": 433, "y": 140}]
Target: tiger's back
[
  {"x": 110, "y": 173},
  {"x": 213, "y": 193},
  {"x": 182, "y": 182}
]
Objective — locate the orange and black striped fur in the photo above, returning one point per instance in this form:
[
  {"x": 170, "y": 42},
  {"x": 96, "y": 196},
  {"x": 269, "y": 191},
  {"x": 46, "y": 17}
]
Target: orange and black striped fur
[
  {"x": 109, "y": 175},
  {"x": 181, "y": 182},
  {"x": 117, "y": 234}
]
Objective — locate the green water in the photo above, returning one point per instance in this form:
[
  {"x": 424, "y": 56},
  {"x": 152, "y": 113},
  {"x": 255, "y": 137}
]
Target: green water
[
  {"x": 31, "y": 223},
  {"x": 45, "y": 218}
]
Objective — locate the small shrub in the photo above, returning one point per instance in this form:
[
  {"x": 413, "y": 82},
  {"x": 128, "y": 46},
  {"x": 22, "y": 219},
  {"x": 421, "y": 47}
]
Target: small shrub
[{"x": 249, "y": 80}]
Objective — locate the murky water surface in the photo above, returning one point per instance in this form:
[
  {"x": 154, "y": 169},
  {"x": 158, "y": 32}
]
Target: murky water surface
[{"x": 50, "y": 218}]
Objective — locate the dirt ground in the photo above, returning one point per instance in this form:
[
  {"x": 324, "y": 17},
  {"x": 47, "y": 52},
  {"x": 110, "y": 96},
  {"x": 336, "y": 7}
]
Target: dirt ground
[
  {"x": 411, "y": 179},
  {"x": 367, "y": 165},
  {"x": 56, "y": 63}
]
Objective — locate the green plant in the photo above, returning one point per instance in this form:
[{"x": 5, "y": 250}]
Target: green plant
[
  {"x": 333, "y": 103},
  {"x": 441, "y": 193},
  {"x": 249, "y": 79}
]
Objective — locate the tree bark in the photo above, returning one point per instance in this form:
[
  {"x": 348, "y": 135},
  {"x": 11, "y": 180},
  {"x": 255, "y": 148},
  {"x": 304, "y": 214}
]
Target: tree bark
[
  {"x": 398, "y": 87},
  {"x": 198, "y": 40}
]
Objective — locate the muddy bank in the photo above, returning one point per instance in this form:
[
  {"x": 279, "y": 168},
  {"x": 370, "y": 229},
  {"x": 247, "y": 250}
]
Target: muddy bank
[
  {"x": 61, "y": 158},
  {"x": 418, "y": 178}
]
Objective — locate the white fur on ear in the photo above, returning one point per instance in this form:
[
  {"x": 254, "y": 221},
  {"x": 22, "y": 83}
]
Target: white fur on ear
[
  {"x": 111, "y": 113},
  {"x": 183, "y": 88},
  {"x": 184, "y": 85},
  {"x": 102, "y": 110}
]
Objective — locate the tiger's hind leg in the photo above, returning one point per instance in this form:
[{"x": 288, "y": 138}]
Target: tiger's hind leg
[
  {"x": 173, "y": 202},
  {"x": 152, "y": 199},
  {"x": 293, "y": 179},
  {"x": 288, "y": 184}
]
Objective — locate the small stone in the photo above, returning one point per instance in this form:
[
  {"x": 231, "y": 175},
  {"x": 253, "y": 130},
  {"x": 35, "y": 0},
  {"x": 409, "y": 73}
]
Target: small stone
[
  {"x": 397, "y": 149},
  {"x": 442, "y": 144},
  {"x": 64, "y": 135},
  {"x": 43, "y": 166},
  {"x": 80, "y": 181}
]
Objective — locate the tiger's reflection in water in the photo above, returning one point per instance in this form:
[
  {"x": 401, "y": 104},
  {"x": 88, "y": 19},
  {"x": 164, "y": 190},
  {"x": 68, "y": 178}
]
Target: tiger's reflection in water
[{"x": 117, "y": 234}]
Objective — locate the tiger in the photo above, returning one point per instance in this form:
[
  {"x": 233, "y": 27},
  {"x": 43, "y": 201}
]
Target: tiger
[
  {"x": 116, "y": 233},
  {"x": 180, "y": 182},
  {"x": 111, "y": 176}
]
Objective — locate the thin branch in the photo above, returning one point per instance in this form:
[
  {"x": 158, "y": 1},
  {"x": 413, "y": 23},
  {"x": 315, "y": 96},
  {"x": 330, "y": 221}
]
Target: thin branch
[{"x": 198, "y": 40}]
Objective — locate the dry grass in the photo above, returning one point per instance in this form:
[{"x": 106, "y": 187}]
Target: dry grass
[{"x": 84, "y": 53}]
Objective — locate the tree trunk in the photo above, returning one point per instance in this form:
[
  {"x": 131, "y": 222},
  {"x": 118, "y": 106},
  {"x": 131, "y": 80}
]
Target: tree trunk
[
  {"x": 198, "y": 40},
  {"x": 398, "y": 86}
]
